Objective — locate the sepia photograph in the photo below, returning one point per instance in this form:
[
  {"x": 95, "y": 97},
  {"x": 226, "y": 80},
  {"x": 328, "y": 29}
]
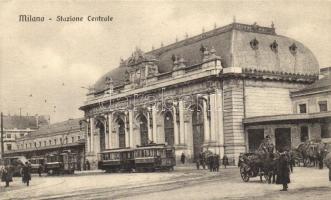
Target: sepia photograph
[{"x": 165, "y": 99}]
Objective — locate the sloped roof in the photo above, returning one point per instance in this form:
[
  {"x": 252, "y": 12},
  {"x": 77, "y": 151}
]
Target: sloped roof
[
  {"x": 324, "y": 82},
  {"x": 23, "y": 122},
  {"x": 232, "y": 44},
  {"x": 65, "y": 126}
]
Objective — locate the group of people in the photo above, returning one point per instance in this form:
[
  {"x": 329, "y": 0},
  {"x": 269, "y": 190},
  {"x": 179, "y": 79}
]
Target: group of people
[
  {"x": 7, "y": 173},
  {"x": 208, "y": 160}
]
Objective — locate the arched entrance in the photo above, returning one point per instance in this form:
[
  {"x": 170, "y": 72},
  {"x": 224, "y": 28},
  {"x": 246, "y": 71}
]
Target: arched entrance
[
  {"x": 121, "y": 133},
  {"x": 143, "y": 130},
  {"x": 198, "y": 131},
  {"x": 99, "y": 125},
  {"x": 169, "y": 129}
]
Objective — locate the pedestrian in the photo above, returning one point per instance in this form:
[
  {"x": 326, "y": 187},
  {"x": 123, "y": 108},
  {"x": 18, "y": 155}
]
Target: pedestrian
[
  {"x": 328, "y": 163},
  {"x": 87, "y": 163},
  {"x": 40, "y": 169},
  {"x": 283, "y": 171},
  {"x": 182, "y": 158},
  {"x": 201, "y": 159},
  {"x": 26, "y": 174},
  {"x": 225, "y": 161},
  {"x": 217, "y": 162},
  {"x": 7, "y": 175},
  {"x": 211, "y": 162},
  {"x": 197, "y": 162}
]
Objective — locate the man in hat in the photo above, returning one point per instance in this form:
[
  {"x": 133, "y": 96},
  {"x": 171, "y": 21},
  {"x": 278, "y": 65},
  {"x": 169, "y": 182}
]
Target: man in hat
[
  {"x": 283, "y": 171},
  {"x": 266, "y": 146}
]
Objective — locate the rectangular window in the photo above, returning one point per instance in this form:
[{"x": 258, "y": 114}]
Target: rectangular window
[
  {"x": 55, "y": 141},
  {"x": 9, "y": 147},
  {"x": 50, "y": 142},
  {"x": 323, "y": 105},
  {"x": 45, "y": 143},
  {"x": 302, "y": 108},
  {"x": 72, "y": 139},
  {"x": 21, "y": 134},
  {"x": 325, "y": 130},
  {"x": 61, "y": 140},
  {"x": 78, "y": 137},
  {"x": 40, "y": 143},
  {"x": 8, "y": 135},
  {"x": 304, "y": 134}
]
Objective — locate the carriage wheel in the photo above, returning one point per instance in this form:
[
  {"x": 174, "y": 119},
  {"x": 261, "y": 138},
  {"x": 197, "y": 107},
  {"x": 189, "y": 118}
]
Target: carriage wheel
[{"x": 244, "y": 174}]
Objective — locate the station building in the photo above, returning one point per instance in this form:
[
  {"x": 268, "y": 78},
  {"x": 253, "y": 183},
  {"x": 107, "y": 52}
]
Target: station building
[
  {"x": 54, "y": 138},
  {"x": 203, "y": 92}
]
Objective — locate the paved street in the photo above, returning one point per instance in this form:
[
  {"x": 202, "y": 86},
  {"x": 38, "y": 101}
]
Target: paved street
[{"x": 183, "y": 183}]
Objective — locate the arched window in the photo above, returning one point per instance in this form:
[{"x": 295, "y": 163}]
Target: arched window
[{"x": 169, "y": 129}]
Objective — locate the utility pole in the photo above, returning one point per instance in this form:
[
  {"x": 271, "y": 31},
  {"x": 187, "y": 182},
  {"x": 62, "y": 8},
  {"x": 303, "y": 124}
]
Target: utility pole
[{"x": 2, "y": 147}]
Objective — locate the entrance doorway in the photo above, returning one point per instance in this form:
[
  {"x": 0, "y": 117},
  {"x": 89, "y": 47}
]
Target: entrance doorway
[
  {"x": 198, "y": 132},
  {"x": 255, "y": 138},
  {"x": 121, "y": 133},
  {"x": 169, "y": 129},
  {"x": 283, "y": 138},
  {"x": 143, "y": 130},
  {"x": 102, "y": 132}
]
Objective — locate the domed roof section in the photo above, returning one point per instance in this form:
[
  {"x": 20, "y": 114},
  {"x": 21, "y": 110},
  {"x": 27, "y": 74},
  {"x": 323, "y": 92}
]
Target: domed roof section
[
  {"x": 250, "y": 47},
  {"x": 117, "y": 75},
  {"x": 273, "y": 53}
]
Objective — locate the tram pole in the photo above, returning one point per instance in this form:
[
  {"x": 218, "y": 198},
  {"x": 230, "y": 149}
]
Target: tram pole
[{"x": 2, "y": 147}]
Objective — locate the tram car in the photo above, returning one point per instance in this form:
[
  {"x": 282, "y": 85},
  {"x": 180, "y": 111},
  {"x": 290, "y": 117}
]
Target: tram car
[
  {"x": 154, "y": 157},
  {"x": 60, "y": 163},
  {"x": 14, "y": 162},
  {"x": 36, "y": 163},
  {"x": 116, "y": 160}
]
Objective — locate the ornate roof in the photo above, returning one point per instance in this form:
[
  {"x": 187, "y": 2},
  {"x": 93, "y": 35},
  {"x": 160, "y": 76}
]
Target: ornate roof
[{"x": 238, "y": 45}]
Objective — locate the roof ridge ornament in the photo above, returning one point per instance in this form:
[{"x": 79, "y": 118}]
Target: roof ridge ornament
[
  {"x": 293, "y": 49},
  {"x": 254, "y": 44},
  {"x": 274, "y": 46}
]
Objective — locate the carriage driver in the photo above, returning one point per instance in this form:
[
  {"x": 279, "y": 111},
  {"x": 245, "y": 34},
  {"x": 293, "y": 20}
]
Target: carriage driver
[{"x": 267, "y": 146}]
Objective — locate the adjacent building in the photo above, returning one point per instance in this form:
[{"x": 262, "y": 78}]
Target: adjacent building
[
  {"x": 16, "y": 126},
  {"x": 54, "y": 138},
  {"x": 310, "y": 119},
  {"x": 203, "y": 92}
]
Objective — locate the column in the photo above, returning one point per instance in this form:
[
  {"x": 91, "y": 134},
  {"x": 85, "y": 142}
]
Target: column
[
  {"x": 213, "y": 117},
  {"x": 127, "y": 137},
  {"x": 174, "y": 117},
  {"x": 92, "y": 134},
  {"x": 154, "y": 124},
  {"x": 220, "y": 122},
  {"x": 205, "y": 121},
  {"x": 150, "y": 135},
  {"x": 131, "y": 144},
  {"x": 110, "y": 121},
  {"x": 181, "y": 123},
  {"x": 88, "y": 143},
  {"x": 106, "y": 125}
]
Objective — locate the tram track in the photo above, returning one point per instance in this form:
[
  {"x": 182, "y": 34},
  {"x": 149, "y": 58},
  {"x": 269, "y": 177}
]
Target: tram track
[{"x": 119, "y": 192}]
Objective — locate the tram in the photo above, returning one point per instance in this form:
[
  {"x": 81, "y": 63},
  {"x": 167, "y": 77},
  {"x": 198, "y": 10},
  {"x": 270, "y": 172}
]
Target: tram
[
  {"x": 115, "y": 160},
  {"x": 15, "y": 162},
  {"x": 36, "y": 164},
  {"x": 154, "y": 157},
  {"x": 60, "y": 163},
  {"x": 141, "y": 159}
]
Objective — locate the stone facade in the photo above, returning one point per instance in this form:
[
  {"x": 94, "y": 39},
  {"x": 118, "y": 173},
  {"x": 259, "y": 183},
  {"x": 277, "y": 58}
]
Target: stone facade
[{"x": 195, "y": 94}]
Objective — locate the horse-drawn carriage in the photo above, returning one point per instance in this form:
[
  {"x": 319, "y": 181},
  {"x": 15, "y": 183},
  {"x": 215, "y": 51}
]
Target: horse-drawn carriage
[{"x": 256, "y": 165}]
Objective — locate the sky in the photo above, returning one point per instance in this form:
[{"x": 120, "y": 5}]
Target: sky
[{"x": 43, "y": 66}]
